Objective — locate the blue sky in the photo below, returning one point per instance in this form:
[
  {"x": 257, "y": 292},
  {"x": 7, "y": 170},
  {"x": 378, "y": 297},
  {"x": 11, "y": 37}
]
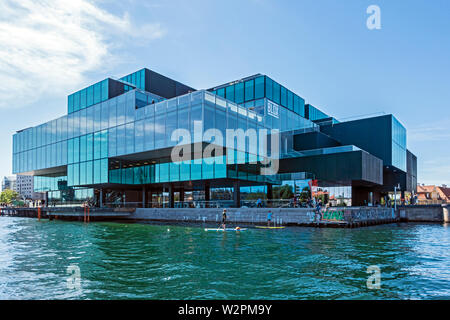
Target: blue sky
[{"x": 320, "y": 49}]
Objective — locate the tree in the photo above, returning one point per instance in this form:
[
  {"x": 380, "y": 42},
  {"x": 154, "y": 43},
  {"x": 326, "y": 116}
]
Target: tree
[
  {"x": 305, "y": 195},
  {"x": 283, "y": 192},
  {"x": 7, "y": 196}
]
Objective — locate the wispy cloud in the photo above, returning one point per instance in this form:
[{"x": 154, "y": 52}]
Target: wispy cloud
[
  {"x": 428, "y": 132},
  {"x": 48, "y": 46}
]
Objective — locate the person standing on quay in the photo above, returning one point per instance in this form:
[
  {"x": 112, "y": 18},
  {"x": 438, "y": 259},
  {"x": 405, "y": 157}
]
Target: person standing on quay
[
  {"x": 269, "y": 218},
  {"x": 224, "y": 218}
]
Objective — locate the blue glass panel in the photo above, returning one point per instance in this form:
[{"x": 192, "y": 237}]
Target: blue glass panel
[
  {"x": 249, "y": 90},
  {"x": 269, "y": 88},
  {"x": 104, "y": 171},
  {"x": 76, "y": 149},
  {"x": 112, "y": 136},
  {"x": 76, "y": 174},
  {"x": 104, "y": 84},
  {"x": 283, "y": 97},
  {"x": 76, "y": 101},
  {"x": 239, "y": 92},
  {"x": 70, "y": 103},
  {"x": 89, "y": 96},
  {"x": 97, "y": 172},
  {"x": 97, "y": 145},
  {"x": 185, "y": 171},
  {"x": 120, "y": 144},
  {"x": 290, "y": 100},
  {"x": 83, "y": 99},
  {"x": 112, "y": 113},
  {"x": 174, "y": 171},
  {"x": 207, "y": 169},
  {"x": 259, "y": 88},
  {"x": 89, "y": 172},
  {"x": 97, "y": 92},
  {"x": 164, "y": 172},
  {"x": 196, "y": 169},
  {"x": 229, "y": 93},
  {"x": 139, "y": 136},
  {"x": 129, "y": 137},
  {"x": 83, "y": 153},
  {"x": 276, "y": 92},
  {"x": 149, "y": 139},
  {"x": 221, "y": 92}
]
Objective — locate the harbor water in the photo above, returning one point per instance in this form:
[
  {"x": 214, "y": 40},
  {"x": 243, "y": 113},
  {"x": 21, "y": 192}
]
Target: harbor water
[{"x": 114, "y": 260}]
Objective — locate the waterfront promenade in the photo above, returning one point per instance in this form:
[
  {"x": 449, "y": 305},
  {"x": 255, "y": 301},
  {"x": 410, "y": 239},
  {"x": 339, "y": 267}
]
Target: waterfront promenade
[{"x": 347, "y": 217}]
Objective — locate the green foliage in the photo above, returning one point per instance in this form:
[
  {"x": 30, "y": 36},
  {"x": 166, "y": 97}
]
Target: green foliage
[
  {"x": 305, "y": 195},
  {"x": 8, "y": 196},
  {"x": 283, "y": 192},
  {"x": 255, "y": 196}
]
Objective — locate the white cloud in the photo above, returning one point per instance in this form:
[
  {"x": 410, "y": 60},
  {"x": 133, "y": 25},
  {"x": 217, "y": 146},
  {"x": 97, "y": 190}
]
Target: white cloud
[
  {"x": 428, "y": 132},
  {"x": 48, "y": 46}
]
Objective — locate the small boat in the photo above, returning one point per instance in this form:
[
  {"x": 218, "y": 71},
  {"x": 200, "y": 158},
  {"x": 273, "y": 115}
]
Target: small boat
[
  {"x": 227, "y": 229},
  {"x": 262, "y": 227}
]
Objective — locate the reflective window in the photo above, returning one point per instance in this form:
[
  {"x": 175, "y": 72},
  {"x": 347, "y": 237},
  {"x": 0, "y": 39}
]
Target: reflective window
[
  {"x": 90, "y": 147},
  {"x": 221, "y": 92},
  {"x": 239, "y": 92},
  {"x": 259, "y": 88},
  {"x": 90, "y": 96},
  {"x": 249, "y": 90},
  {"x": 112, "y": 136},
  {"x": 276, "y": 92},
  {"x": 149, "y": 134},
  {"x": 120, "y": 144},
  {"x": 229, "y": 94},
  {"x": 129, "y": 137},
  {"x": 97, "y": 93}
]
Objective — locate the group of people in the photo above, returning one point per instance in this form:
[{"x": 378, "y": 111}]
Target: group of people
[
  {"x": 224, "y": 218},
  {"x": 318, "y": 205}
]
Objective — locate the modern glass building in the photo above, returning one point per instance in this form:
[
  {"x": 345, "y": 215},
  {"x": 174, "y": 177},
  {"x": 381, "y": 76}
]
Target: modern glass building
[{"x": 114, "y": 145}]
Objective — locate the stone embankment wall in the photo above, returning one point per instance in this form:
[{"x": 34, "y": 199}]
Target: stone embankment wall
[
  {"x": 424, "y": 213},
  {"x": 344, "y": 217}
]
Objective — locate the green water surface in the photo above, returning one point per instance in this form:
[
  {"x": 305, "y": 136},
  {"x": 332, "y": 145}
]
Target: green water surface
[{"x": 145, "y": 261}]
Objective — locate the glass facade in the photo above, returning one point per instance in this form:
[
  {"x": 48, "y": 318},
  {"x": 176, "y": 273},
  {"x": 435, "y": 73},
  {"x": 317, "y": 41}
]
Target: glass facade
[
  {"x": 312, "y": 113},
  {"x": 136, "y": 78},
  {"x": 89, "y": 96},
  {"x": 262, "y": 87},
  {"x": 116, "y": 133},
  {"x": 398, "y": 145},
  {"x": 84, "y": 140}
]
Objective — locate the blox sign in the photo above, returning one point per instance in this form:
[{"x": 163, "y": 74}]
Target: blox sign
[{"x": 272, "y": 109}]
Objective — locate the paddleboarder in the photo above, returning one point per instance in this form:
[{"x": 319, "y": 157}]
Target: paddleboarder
[
  {"x": 224, "y": 218},
  {"x": 269, "y": 218}
]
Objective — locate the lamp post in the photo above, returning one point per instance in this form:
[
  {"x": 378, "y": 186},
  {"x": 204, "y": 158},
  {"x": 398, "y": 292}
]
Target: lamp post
[{"x": 395, "y": 196}]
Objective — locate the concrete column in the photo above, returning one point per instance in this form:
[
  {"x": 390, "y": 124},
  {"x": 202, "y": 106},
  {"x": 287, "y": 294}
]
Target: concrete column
[
  {"x": 446, "y": 214},
  {"x": 207, "y": 195},
  {"x": 171, "y": 196},
  {"x": 237, "y": 194},
  {"x": 150, "y": 198},
  {"x": 101, "y": 198},
  {"x": 144, "y": 200},
  {"x": 269, "y": 194},
  {"x": 182, "y": 195}
]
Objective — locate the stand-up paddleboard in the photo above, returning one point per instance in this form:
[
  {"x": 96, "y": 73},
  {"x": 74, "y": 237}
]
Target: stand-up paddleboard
[
  {"x": 227, "y": 229},
  {"x": 262, "y": 227}
]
